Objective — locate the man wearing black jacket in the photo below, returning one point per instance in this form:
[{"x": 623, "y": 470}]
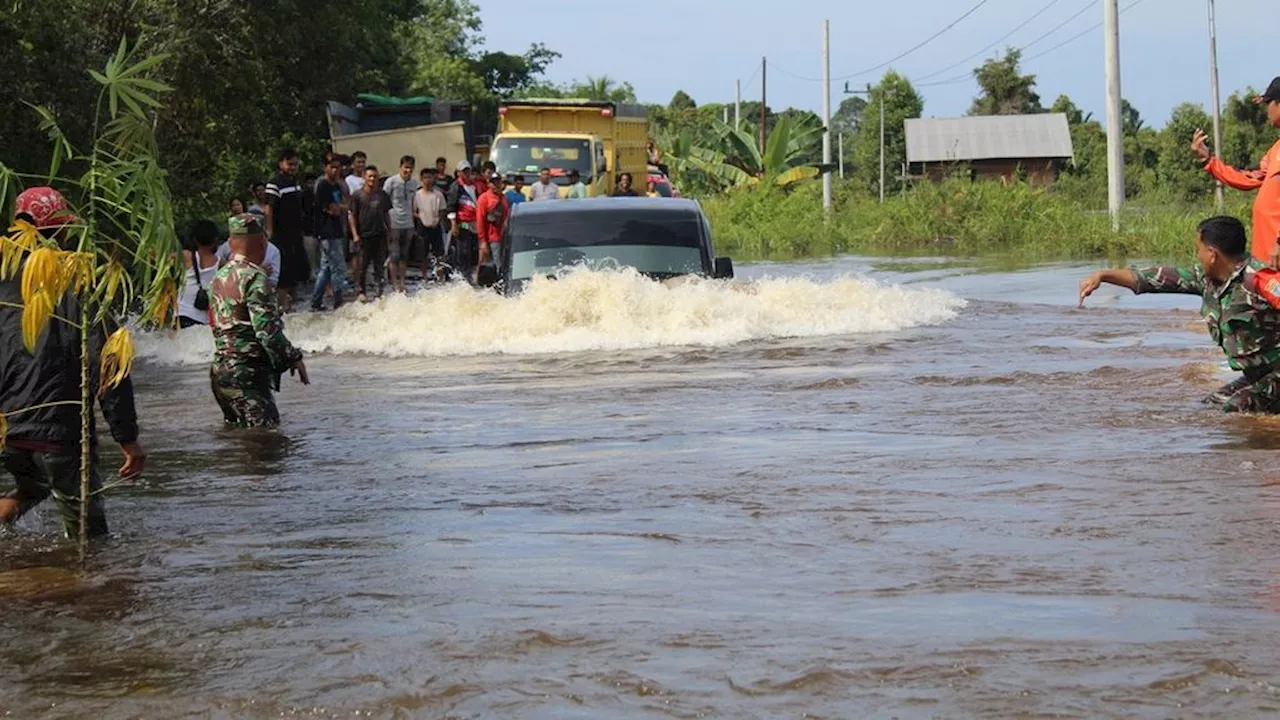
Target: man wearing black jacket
[{"x": 42, "y": 446}]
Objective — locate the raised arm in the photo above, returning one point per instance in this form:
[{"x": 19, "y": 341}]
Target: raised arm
[{"x": 1235, "y": 177}]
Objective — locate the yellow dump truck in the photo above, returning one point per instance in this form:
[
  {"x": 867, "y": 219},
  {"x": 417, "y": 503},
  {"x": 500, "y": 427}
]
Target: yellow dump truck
[{"x": 601, "y": 140}]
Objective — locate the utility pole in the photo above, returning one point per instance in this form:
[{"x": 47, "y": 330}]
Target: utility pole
[
  {"x": 726, "y": 116},
  {"x": 737, "y": 105},
  {"x": 1217, "y": 99},
  {"x": 764, "y": 94},
  {"x": 1115, "y": 132},
  {"x": 826, "y": 115},
  {"x": 841, "y": 155},
  {"x": 883, "y": 91}
]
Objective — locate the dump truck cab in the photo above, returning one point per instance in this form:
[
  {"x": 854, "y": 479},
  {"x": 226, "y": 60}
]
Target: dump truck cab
[{"x": 598, "y": 139}]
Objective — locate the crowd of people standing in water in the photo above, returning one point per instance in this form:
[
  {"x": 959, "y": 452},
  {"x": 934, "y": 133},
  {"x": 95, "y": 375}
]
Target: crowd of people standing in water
[
  {"x": 356, "y": 229},
  {"x": 365, "y": 224}
]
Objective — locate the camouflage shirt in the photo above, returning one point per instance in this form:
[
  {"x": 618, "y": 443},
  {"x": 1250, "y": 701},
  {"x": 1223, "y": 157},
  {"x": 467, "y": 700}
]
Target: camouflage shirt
[
  {"x": 248, "y": 332},
  {"x": 1240, "y": 320}
]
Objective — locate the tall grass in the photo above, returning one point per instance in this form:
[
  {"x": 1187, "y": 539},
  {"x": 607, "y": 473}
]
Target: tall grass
[{"x": 954, "y": 218}]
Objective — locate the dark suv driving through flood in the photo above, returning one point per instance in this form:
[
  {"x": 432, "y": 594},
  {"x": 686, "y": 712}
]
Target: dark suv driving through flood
[{"x": 659, "y": 237}]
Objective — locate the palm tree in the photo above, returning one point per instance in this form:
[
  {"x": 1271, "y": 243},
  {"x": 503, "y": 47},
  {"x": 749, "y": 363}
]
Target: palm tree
[{"x": 600, "y": 88}]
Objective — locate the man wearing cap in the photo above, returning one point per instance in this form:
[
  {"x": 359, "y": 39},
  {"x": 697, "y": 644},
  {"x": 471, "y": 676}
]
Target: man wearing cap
[
  {"x": 463, "y": 198},
  {"x": 250, "y": 350},
  {"x": 42, "y": 446},
  {"x": 1266, "y": 180}
]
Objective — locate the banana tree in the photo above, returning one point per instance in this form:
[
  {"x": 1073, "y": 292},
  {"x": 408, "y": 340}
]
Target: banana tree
[
  {"x": 121, "y": 250},
  {"x": 733, "y": 159}
]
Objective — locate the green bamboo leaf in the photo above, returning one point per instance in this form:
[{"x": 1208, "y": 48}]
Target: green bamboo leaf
[
  {"x": 128, "y": 86},
  {"x": 121, "y": 52},
  {"x": 130, "y": 102},
  {"x": 143, "y": 65},
  {"x": 99, "y": 77},
  {"x": 150, "y": 85}
]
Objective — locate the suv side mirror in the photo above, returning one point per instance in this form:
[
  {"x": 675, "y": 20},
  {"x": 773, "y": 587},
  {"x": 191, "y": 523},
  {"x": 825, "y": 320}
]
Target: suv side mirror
[{"x": 724, "y": 268}]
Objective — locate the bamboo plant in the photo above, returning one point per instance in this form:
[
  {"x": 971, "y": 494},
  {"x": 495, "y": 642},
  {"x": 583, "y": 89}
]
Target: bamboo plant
[{"x": 121, "y": 253}]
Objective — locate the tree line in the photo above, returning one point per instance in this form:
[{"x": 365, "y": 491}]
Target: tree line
[
  {"x": 247, "y": 77},
  {"x": 1159, "y": 163}
]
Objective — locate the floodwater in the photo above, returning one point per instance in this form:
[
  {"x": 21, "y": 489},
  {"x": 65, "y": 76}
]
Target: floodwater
[{"x": 944, "y": 493}]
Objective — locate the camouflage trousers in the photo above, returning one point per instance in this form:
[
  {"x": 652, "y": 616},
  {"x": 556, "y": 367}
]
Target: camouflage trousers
[
  {"x": 40, "y": 475},
  {"x": 1252, "y": 393},
  {"x": 245, "y": 396}
]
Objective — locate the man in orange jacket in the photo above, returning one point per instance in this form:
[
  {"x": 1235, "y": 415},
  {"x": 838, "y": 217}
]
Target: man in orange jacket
[{"x": 1266, "y": 180}]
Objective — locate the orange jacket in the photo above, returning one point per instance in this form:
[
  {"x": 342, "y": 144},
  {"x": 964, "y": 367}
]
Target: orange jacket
[
  {"x": 1266, "y": 207},
  {"x": 491, "y": 232}
]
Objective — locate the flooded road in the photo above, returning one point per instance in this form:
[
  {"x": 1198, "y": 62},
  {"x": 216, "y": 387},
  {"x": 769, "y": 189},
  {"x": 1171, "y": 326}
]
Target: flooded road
[{"x": 947, "y": 494}]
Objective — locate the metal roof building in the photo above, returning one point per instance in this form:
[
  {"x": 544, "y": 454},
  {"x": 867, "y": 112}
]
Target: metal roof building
[
  {"x": 988, "y": 137},
  {"x": 994, "y": 145}
]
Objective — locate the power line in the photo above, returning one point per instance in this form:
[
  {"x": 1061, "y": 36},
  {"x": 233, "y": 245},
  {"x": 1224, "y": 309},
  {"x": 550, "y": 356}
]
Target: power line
[
  {"x": 1088, "y": 5},
  {"x": 928, "y": 40},
  {"x": 1064, "y": 43},
  {"x": 891, "y": 60},
  {"x": 1002, "y": 38},
  {"x": 1073, "y": 38}
]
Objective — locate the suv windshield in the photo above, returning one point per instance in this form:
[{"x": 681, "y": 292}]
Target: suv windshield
[
  {"x": 528, "y": 155},
  {"x": 662, "y": 244}
]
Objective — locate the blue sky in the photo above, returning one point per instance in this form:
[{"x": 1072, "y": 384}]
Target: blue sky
[{"x": 702, "y": 46}]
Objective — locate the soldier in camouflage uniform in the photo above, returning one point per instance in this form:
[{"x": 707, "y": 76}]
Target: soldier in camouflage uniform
[
  {"x": 1241, "y": 320},
  {"x": 250, "y": 349}
]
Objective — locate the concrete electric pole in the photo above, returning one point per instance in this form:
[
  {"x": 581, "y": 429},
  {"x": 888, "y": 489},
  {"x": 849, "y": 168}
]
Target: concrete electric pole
[
  {"x": 764, "y": 98},
  {"x": 1115, "y": 130},
  {"x": 737, "y": 105},
  {"x": 826, "y": 115},
  {"x": 1217, "y": 99},
  {"x": 883, "y": 91}
]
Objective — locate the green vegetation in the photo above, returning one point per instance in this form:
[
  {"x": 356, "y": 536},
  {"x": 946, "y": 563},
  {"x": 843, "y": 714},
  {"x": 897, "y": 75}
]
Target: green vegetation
[
  {"x": 247, "y": 78},
  {"x": 955, "y": 218},
  {"x": 118, "y": 252},
  {"x": 732, "y": 160},
  {"x": 1168, "y": 191}
]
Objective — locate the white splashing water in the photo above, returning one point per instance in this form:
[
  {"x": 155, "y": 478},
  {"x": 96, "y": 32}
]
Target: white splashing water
[{"x": 593, "y": 310}]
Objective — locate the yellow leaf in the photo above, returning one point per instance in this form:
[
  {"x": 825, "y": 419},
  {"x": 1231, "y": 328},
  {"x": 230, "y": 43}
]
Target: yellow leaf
[
  {"x": 164, "y": 304},
  {"x": 114, "y": 277},
  {"x": 77, "y": 268},
  {"x": 117, "y": 359},
  {"x": 22, "y": 238},
  {"x": 42, "y": 275},
  {"x": 35, "y": 315},
  {"x": 4, "y": 430},
  {"x": 795, "y": 175}
]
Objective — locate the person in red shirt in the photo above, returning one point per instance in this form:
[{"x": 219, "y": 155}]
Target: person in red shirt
[
  {"x": 492, "y": 212},
  {"x": 1266, "y": 180}
]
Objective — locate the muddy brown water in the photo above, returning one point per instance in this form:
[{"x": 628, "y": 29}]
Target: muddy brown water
[{"x": 1022, "y": 511}]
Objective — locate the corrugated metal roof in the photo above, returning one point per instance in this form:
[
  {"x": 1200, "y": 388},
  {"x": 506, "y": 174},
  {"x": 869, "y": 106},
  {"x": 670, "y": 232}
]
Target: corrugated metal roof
[{"x": 988, "y": 137}]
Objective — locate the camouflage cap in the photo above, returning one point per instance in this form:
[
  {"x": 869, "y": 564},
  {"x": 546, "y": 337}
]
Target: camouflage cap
[{"x": 245, "y": 224}]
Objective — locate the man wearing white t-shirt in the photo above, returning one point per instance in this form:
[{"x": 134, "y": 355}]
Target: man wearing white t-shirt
[{"x": 355, "y": 180}]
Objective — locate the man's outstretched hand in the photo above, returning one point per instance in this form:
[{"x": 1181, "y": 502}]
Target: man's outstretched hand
[{"x": 1088, "y": 285}]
